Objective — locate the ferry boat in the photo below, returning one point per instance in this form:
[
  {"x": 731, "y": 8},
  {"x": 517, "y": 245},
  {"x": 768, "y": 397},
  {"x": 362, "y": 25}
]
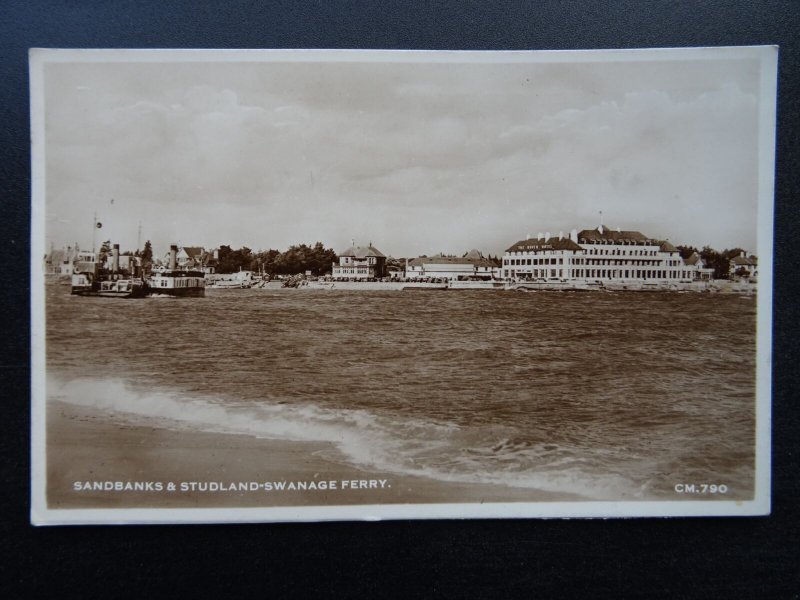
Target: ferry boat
[
  {"x": 172, "y": 281},
  {"x": 111, "y": 288},
  {"x": 89, "y": 280}
]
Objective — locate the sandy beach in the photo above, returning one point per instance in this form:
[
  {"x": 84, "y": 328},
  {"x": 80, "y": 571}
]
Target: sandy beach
[{"x": 87, "y": 448}]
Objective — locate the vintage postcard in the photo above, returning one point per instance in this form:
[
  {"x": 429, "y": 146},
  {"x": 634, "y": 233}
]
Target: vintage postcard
[{"x": 361, "y": 285}]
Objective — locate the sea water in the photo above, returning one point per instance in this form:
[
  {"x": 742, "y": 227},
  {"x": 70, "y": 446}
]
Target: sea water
[{"x": 607, "y": 395}]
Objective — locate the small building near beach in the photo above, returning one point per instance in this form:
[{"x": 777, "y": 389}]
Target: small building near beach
[
  {"x": 743, "y": 267},
  {"x": 698, "y": 267},
  {"x": 360, "y": 262},
  {"x": 472, "y": 266}
]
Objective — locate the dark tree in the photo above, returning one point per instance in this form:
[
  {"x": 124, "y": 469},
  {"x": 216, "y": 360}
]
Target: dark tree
[
  {"x": 105, "y": 250},
  {"x": 717, "y": 261},
  {"x": 147, "y": 256},
  {"x": 296, "y": 259},
  {"x": 225, "y": 264}
]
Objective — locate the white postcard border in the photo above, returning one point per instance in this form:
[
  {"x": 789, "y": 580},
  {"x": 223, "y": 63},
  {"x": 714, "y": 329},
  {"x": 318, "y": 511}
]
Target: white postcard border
[{"x": 760, "y": 505}]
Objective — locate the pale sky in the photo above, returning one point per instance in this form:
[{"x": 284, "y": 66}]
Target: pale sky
[{"x": 417, "y": 158}]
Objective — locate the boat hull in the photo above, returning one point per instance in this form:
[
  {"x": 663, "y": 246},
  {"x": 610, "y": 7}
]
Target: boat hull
[
  {"x": 189, "y": 292},
  {"x": 111, "y": 289},
  {"x": 109, "y": 294}
]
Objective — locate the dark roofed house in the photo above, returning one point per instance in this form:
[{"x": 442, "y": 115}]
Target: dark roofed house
[
  {"x": 743, "y": 267},
  {"x": 360, "y": 262},
  {"x": 196, "y": 258},
  {"x": 698, "y": 267}
]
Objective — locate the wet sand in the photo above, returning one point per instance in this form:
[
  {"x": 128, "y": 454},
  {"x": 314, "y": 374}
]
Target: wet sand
[{"x": 89, "y": 445}]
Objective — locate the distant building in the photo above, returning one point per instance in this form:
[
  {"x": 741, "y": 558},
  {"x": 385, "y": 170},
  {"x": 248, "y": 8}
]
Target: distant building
[
  {"x": 596, "y": 255},
  {"x": 743, "y": 267},
  {"x": 196, "y": 258},
  {"x": 544, "y": 258},
  {"x": 360, "y": 262},
  {"x": 54, "y": 261},
  {"x": 698, "y": 267},
  {"x": 62, "y": 262},
  {"x": 473, "y": 266}
]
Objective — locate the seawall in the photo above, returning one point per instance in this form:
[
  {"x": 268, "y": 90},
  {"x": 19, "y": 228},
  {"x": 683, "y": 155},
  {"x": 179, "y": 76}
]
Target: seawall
[{"x": 716, "y": 286}]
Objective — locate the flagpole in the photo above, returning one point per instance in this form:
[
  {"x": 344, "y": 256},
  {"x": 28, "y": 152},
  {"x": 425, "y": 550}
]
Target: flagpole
[{"x": 94, "y": 233}]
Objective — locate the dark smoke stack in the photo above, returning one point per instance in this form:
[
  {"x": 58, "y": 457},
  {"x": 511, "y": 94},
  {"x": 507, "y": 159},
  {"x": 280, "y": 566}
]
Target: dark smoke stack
[
  {"x": 115, "y": 258},
  {"x": 173, "y": 257}
]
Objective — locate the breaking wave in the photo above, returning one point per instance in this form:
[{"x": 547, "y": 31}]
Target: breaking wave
[{"x": 367, "y": 440}]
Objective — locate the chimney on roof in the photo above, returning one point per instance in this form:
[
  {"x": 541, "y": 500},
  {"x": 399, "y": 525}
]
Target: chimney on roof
[
  {"x": 561, "y": 235},
  {"x": 115, "y": 258},
  {"x": 546, "y": 235},
  {"x": 743, "y": 254}
]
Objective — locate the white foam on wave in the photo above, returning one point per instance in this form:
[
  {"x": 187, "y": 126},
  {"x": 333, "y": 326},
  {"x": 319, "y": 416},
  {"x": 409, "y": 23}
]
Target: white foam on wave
[{"x": 404, "y": 446}]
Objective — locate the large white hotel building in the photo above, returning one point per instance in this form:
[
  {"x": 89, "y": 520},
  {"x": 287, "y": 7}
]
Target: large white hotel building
[{"x": 597, "y": 255}]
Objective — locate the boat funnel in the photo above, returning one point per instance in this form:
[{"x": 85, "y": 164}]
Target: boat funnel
[
  {"x": 173, "y": 257},
  {"x": 115, "y": 258}
]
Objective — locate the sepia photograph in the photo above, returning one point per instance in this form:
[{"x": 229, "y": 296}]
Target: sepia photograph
[{"x": 308, "y": 285}]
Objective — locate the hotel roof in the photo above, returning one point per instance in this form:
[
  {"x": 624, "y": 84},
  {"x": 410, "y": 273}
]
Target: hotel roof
[
  {"x": 540, "y": 245},
  {"x": 665, "y": 246},
  {"x": 606, "y": 235},
  {"x": 363, "y": 252}
]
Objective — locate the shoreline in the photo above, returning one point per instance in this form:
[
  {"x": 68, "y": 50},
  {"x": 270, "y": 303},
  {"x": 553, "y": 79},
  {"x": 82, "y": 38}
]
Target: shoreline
[
  {"x": 87, "y": 445},
  {"x": 728, "y": 287}
]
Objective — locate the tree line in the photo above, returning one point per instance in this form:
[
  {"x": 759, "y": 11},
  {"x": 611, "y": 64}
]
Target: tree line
[{"x": 297, "y": 259}]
